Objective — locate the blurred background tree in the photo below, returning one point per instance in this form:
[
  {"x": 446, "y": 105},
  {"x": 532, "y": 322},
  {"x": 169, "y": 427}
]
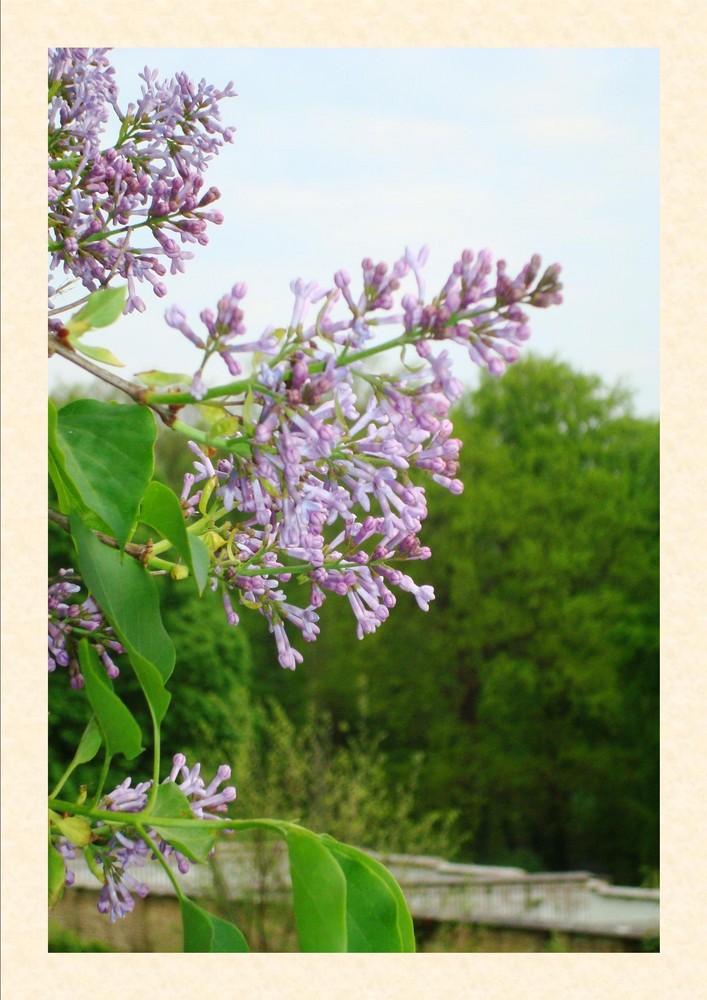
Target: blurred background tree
[{"x": 514, "y": 723}]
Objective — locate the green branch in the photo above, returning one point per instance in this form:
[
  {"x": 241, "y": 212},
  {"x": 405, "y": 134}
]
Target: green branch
[{"x": 145, "y": 817}]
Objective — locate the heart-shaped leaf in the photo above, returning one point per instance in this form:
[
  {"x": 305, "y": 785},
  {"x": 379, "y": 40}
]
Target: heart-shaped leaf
[{"x": 107, "y": 452}]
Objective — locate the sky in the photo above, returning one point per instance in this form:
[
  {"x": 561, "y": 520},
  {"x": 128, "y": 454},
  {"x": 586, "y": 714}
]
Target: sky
[{"x": 342, "y": 154}]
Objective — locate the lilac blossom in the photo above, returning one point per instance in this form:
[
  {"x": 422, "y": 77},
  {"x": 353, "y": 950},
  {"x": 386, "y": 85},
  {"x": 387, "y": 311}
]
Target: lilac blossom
[
  {"x": 70, "y": 621},
  {"x": 67, "y": 850},
  {"x": 125, "y": 849},
  {"x": 147, "y": 186},
  {"x": 223, "y": 335},
  {"x": 328, "y": 480},
  {"x": 205, "y": 800}
]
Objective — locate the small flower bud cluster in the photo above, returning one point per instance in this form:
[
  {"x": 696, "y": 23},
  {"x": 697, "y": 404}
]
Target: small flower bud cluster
[
  {"x": 221, "y": 331},
  {"x": 125, "y": 849},
  {"x": 328, "y": 483},
  {"x": 151, "y": 178},
  {"x": 70, "y": 621}
]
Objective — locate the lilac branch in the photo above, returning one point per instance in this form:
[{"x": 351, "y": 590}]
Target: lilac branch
[
  {"x": 136, "y": 392},
  {"x": 143, "y": 553}
]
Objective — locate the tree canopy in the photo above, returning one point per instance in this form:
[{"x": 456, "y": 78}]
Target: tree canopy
[{"x": 532, "y": 683}]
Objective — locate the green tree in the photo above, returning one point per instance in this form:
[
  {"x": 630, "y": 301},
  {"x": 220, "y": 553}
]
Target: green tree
[{"x": 531, "y": 685}]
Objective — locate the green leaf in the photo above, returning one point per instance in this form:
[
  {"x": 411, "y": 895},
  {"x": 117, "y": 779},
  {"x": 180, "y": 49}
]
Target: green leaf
[
  {"x": 97, "y": 353},
  {"x": 203, "y": 932},
  {"x": 90, "y": 743},
  {"x": 200, "y": 561},
  {"x": 377, "y": 916},
  {"x": 103, "y": 308},
  {"x": 62, "y": 491},
  {"x": 128, "y": 597},
  {"x": 157, "y": 378},
  {"x": 194, "y": 842},
  {"x": 247, "y": 409},
  {"x": 162, "y": 511},
  {"x": 171, "y": 801},
  {"x": 121, "y": 732},
  {"x": 213, "y": 414},
  {"x": 77, "y": 829},
  {"x": 107, "y": 451},
  {"x": 57, "y": 875},
  {"x": 67, "y": 492},
  {"x": 87, "y": 749},
  {"x": 228, "y": 427},
  {"x": 319, "y": 892}
]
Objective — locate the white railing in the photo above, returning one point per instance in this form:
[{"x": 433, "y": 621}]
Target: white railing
[{"x": 442, "y": 891}]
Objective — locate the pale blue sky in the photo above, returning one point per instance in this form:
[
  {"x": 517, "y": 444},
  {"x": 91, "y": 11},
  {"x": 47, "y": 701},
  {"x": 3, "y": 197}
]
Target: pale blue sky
[{"x": 345, "y": 153}]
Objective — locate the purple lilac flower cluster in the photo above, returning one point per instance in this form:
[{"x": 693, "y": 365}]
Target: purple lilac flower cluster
[
  {"x": 150, "y": 179},
  {"x": 70, "y": 621},
  {"x": 126, "y": 849},
  {"x": 328, "y": 482}
]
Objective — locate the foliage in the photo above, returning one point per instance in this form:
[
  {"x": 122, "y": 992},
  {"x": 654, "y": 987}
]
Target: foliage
[{"x": 342, "y": 788}]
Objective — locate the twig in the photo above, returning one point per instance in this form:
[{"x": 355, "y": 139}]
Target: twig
[
  {"x": 139, "y": 552},
  {"x": 136, "y": 392}
]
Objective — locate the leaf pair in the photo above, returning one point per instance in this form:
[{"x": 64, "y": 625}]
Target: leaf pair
[{"x": 344, "y": 900}]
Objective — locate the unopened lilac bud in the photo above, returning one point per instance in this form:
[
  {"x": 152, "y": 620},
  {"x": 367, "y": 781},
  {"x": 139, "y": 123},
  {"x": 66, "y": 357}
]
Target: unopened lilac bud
[
  {"x": 211, "y": 195},
  {"x": 231, "y": 615},
  {"x": 188, "y": 483},
  {"x": 342, "y": 278},
  {"x": 233, "y": 365},
  {"x": 111, "y": 668},
  {"x": 178, "y": 762}
]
